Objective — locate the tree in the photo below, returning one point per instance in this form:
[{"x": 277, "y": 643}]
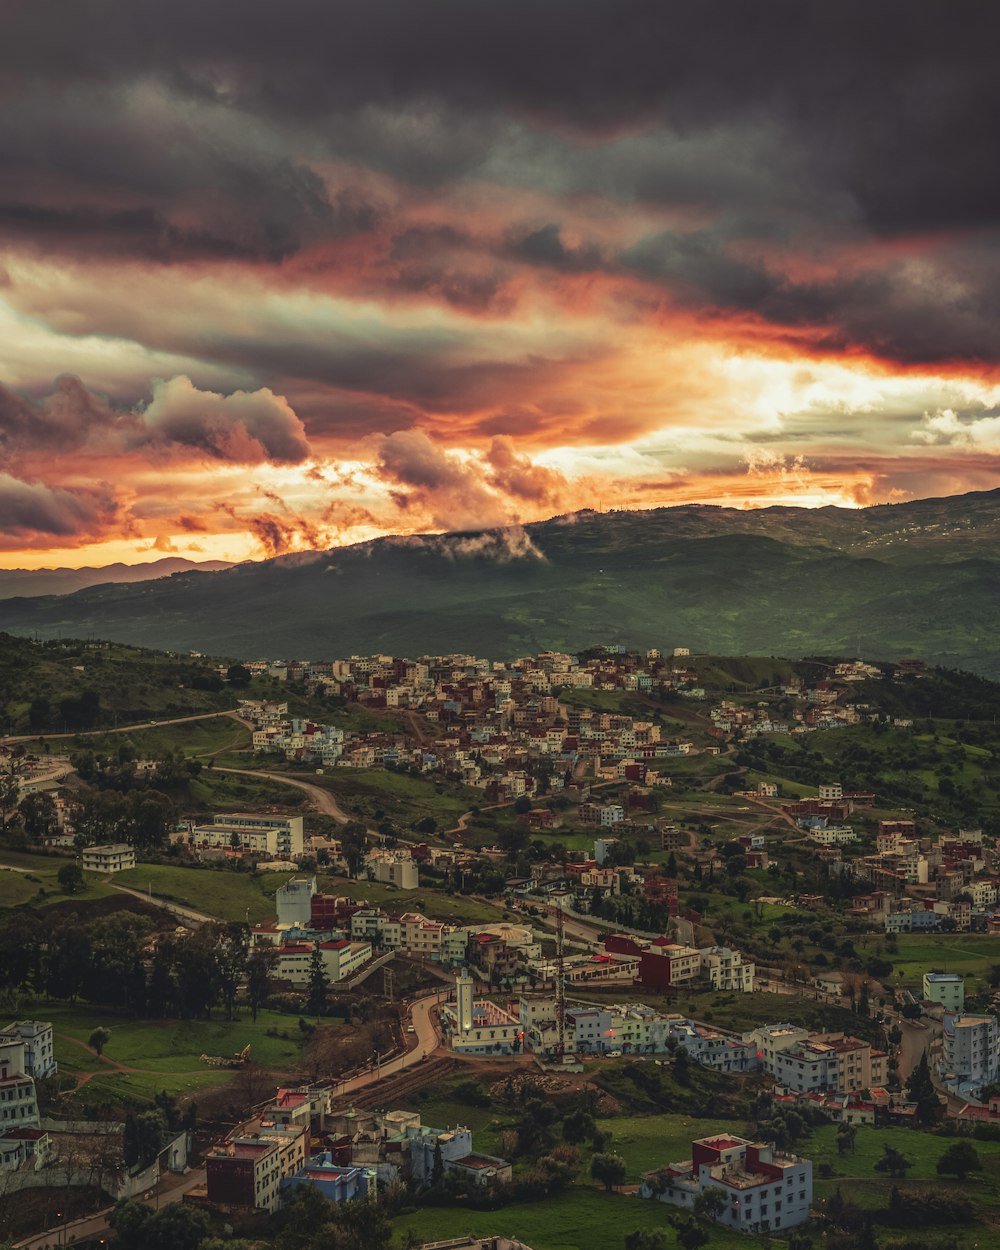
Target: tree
[
  {"x": 682, "y": 1066},
  {"x": 98, "y": 1039},
  {"x": 318, "y": 984},
  {"x": 894, "y": 1162},
  {"x": 230, "y": 962},
  {"x": 238, "y": 675},
  {"x": 609, "y": 1170},
  {"x": 38, "y": 814},
  {"x": 10, "y": 792},
  {"x": 522, "y": 805},
  {"x": 646, "y": 1239},
  {"x": 710, "y": 1203},
  {"x": 691, "y": 1236},
  {"x": 578, "y": 1126},
  {"x": 846, "y": 1135},
  {"x": 354, "y": 845},
  {"x": 672, "y": 865},
  {"x": 920, "y": 1089},
  {"x": 260, "y": 969},
  {"x": 70, "y": 878},
  {"x": 959, "y": 1160}
]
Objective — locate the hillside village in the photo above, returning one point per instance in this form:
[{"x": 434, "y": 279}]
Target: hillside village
[{"x": 642, "y": 877}]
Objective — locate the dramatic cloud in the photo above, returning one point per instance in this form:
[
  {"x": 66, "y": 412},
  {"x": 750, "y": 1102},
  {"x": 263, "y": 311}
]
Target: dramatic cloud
[
  {"x": 310, "y": 273},
  {"x": 31, "y": 511}
]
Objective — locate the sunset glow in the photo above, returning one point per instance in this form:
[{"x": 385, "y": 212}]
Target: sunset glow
[{"x": 261, "y": 293}]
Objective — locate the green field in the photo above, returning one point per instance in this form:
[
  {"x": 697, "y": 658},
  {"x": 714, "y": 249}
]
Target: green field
[
  {"x": 164, "y": 1054},
  {"x": 434, "y": 904},
  {"x": 40, "y": 885},
  {"x": 647, "y": 1142},
  {"x": 379, "y": 794},
  {"x": 968, "y": 953},
  {"x": 216, "y": 891},
  {"x": 854, "y": 1174},
  {"x": 580, "y": 1218}
]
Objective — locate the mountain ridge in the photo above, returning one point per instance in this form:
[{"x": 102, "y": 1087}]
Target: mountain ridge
[
  {"x": 31, "y": 583},
  {"x": 915, "y": 578}
]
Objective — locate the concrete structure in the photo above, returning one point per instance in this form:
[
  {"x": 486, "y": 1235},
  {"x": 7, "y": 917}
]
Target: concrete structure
[
  {"x": 969, "y": 1058},
  {"x": 946, "y": 988},
  {"x": 342, "y": 958},
  {"x": 394, "y": 868},
  {"x": 39, "y": 1052},
  {"x": 336, "y": 1184},
  {"x": 294, "y": 901},
  {"x": 765, "y": 1189},
  {"x": 725, "y": 969},
  {"x": 113, "y": 857},
  {"x": 464, "y": 995},
  {"x": 245, "y": 1172},
  {"x": 279, "y": 837},
  {"x": 802, "y": 1062},
  {"x": 426, "y": 1144},
  {"x": 479, "y": 1027}
]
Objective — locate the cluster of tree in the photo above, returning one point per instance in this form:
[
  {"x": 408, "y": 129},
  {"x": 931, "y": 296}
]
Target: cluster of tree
[
  {"x": 926, "y": 1207},
  {"x": 174, "y": 770},
  {"x": 636, "y": 912},
  {"x": 117, "y": 960}
]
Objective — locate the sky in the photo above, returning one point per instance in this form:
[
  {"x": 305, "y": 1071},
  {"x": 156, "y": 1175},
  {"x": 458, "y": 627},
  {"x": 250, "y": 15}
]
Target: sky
[{"x": 283, "y": 276}]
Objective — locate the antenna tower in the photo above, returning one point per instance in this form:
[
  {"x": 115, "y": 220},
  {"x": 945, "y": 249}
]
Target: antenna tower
[{"x": 560, "y": 986}]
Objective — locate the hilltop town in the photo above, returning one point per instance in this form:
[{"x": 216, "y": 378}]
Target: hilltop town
[{"x": 657, "y": 945}]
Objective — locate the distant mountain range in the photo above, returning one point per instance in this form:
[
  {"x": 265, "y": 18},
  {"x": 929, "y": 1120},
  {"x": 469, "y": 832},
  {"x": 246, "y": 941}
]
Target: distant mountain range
[
  {"x": 911, "y": 579},
  {"x": 32, "y": 582}
]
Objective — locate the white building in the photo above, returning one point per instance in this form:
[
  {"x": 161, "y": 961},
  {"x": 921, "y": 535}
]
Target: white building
[
  {"x": 765, "y": 1189},
  {"x": 279, "y": 837},
  {"x": 394, "y": 868},
  {"x": 113, "y": 857},
  {"x": 969, "y": 1058},
  {"x": 341, "y": 960},
  {"x": 725, "y": 969},
  {"x": 39, "y": 1052},
  {"x": 18, "y": 1100},
  {"x": 294, "y": 901}
]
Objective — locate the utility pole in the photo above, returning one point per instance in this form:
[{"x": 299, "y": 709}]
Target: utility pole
[{"x": 560, "y": 985}]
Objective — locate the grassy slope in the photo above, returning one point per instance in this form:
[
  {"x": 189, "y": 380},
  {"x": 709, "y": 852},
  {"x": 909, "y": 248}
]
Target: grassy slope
[
  {"x": 217, "y": 892},
  {"x": 166, "y": 1053}
]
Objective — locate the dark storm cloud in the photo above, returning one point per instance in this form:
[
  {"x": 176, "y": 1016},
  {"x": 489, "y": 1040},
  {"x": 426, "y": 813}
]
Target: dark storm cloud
[
  {"x": 130, "y": 171},
  {"x": 254, "y": 132},
  {"x": 899, "y": 96},
  {"x": 32, "y": 508}
]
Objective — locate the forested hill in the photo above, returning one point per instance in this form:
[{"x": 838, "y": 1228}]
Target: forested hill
[{"x": 914, "y": 579}]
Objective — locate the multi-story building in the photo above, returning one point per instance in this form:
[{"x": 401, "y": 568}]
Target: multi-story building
[
  {"x": 726, "y": 969},
  {"x": 394, "y": 868},
  {"x": 294, "y": 901},
  {"x": 280, "y": 837},
  {"x": 341, "y": 957},
  {"x": 812, "y": 1062},
  {"x": 245, "y": 1171},
  {"x": 946, "y": 988},
  {"x": 39, "y": 1052},
  {"x": 765, "y": 1189},
  {"x": 969, "y": 1057},
  {"x": 18, "y": 1100},
  {"x": 112, "y": 857}
]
